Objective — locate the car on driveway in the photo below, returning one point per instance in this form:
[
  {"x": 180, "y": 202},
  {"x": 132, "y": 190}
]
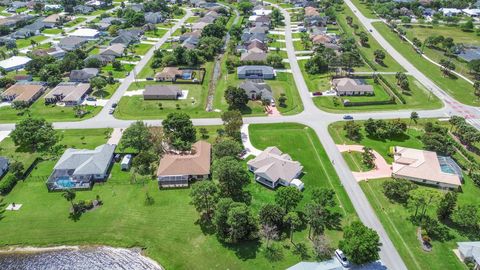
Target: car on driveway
[
  {"x": 149, "y": 79},
  {"x": 111, "y": 111},
  {"x": 91, "y": 99},
  {"x": 347, "y": 117},
  {"x": 342, "y": 258},
  {"x": 114, "y": 105}
]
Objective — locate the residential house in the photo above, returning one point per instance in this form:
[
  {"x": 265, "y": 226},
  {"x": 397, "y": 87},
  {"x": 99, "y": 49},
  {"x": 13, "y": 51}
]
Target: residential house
[
  {"x": 257, "y": 30},
  {"x": 155, "y": 92},
  {"x": 115, "y": 50},
  {"x": 86, "y": 33},
  {"x": 191, "y": 42},
  {"x": 247, "y": 38},
  {"x": 23, "y": 78},
  {"x": 138, "y": 7},
  {"x": 3, "y": 166},
  {"x": 52, "y": 20},
  {"x": 255, "y": 72},
  {"x": 56, "y": 52},
  {"x": 256, "y": 44},
  {"x": 468, "y": 53},
  {"x": 262, "y": 11},
  {"x": 425, "y": 167},
  {"x": 199, "y": 25},
  {"x": 72, "y": 43},
  {"x": 154, "y": 17},
  {"x": 273, "y": 168},
  {"x": 15, "y": 63},
  {"x": 351, "y": 87},
  {"x": 23, "y": 92},
  {"x": 82, "y": 9},
  {"x": 104, "y": 23},
  {"x": 316, "y": 21},
  {"x": 50, "y": 7},
  {"x": 473, "y": 12},
  {"x": 197, "y": 34},
  {"x": 311, "y": 11},
  {"x": 470, "y": 251},
  {"x": 69, "y": 93},
  {"x": 81, "y": 168},
  {"x": 168, "y": 74},
  {"x": 16, "y": 5},
  {"x": 177, "y": 169},
  {"x": 251, "y": 56},
  {"x": 450, "y": 11},
  {"x": 103, "y": 58},
  {"x": 13, "y": 20},
  {"x": 127, "y": 36},
  {"x": 29, "y": 30},
  {"x": 256, "y": 91},
  {"x": 83, "y": 75}
]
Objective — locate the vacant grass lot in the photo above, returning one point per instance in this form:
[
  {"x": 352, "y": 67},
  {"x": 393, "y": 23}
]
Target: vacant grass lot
[
  {"x": 158, "y": 33},
  {"x": 167, "y": 229},
  {"x": 22, "y": 43},
  {"x": 458, "y": 88},
  {"x": 51, "y": 31},
  {"x": 367, "y": 51},
  {"x": 75, "y": 22},
  {"x": 142, "y": 48},
  {"x": 117, "y": 74}
]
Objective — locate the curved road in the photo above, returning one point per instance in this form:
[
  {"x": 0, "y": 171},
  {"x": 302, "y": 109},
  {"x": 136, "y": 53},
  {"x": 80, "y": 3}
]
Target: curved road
[{"x": 317, "y": 119}]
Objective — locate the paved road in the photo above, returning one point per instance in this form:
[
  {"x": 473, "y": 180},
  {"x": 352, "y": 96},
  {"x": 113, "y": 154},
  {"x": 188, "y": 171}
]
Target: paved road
[{"x": 311, "y": 116}]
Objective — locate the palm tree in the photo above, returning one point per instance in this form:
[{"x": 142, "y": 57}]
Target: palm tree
[{"x": 69, "y": 195}]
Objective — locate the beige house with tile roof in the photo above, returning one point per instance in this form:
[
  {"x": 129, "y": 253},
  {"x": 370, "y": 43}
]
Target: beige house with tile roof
[
  {"x": 177, "y": 169},
  {"x": 425, "y": 167}
]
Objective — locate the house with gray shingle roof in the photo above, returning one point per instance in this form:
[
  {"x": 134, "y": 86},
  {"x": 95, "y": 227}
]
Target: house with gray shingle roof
[
  {"x": 83, "y": 75},
  {"x": 256, "y": 91},
  {"x": 273, "y": 168},
  {"x": 80, "y": 168}
]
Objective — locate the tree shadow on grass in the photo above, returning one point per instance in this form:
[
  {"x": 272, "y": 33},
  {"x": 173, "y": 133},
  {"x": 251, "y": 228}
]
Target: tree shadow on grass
[
  {"x": 246, "y": 250},
  {"x": 206, "y": 225}
]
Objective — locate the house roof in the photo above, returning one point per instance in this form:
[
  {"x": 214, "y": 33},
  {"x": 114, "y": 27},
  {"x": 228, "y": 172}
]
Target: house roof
[
  {"x": 3, "y": 162},
  {"x": 421, "y": 164},
  {"x": 195, "y": 163},
  {"x": 23, "y": 91},
  {"x": 199, "y": 25},
  {"x": 68, "y": 91},
  {"x": 114, "y": 49},
  {"x": 84, "y": 32},
  {"x": 169, "y": 71},
  {"x": 260, "y": 89},
  {"x": 164, "y": 90},
  {"x": 349, "y": 84},
  {"x": 83, "y": 74},
  {"x": 253, "y": 56},
  {"x": 14, "y": 61},
  {"x": 85, "y": 161},
  {"x": 275, "y": 165},
  {"x": 52, "y": 18},
  {"x": 264, "y": 69},
  {"x": 71, "y": 41},
  {"x": 470, "y": 250},
  {"x": 311, "y": 11}
]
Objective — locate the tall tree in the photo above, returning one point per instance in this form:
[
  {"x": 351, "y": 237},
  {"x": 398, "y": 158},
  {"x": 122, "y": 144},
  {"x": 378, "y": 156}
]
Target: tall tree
[
  {"x": 236, "y": 97},
  {"x": 360, "y": 243},
  {"x": 137, "y": 136},
  {"x": 232, "y": 177},
  {"x": 466, "y": 216},
  {"x": 35, "y": 134},
  {"x": 204, "y": 196},
  {"x": 69, "y": 195},
  {"x": 227, "y": 147},
  {"x": 271, "y": 214},
  {"x": 292, "y": 220},
  {"x": 420, "y": 200},
  {"x": 288, "y": 198},
  {"x": 232, "y": 121},
  {"x": 179, "y": 130},
  {"x": 447, "y": 205}
]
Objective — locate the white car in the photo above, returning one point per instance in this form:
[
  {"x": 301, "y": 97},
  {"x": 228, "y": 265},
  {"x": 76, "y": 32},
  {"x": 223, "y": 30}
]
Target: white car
[{"x": 341, "y": 257}]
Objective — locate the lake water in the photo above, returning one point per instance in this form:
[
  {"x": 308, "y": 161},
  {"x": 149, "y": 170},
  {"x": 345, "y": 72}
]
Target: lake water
[{"x": 88, "y": 258}]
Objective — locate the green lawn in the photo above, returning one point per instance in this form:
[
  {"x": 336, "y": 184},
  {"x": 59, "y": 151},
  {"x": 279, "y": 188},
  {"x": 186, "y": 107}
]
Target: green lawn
[
  {"x": 365, "y": 8},
  {"x": 355, "y": 161},
  {"x": 283, "y": 83},
  {"x": 75, "y": 22},
  {"x": 459, "y": 36},
  {"x": 156, "y": 34},
  {"x": 418, "y": 98},
  {"x": 389, "y": 64},
  {"x": 107, "y": 91},
  {"x": 136, "y": 108},
  {"x": 460, "y": 89},
  {"x": 22, "y": 43},
  {"x": 320, "y": 82},
  {"x": 142, "y": 48},
  {"x": 167, "y": 229},
  {"x": 50, "y": 112},
  {"x": 117, "y": 73},
  {"x": 52, "y": 31}
]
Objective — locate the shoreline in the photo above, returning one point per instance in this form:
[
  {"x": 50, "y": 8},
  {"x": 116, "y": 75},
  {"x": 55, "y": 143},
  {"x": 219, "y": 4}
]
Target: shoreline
[{"x": 33, "y": 249}]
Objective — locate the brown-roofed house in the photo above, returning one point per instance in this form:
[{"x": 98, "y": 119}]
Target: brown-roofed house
[
  {"x": 311, "y": 11},
  {"x": 168, "y": 74},
  {"x": 351, "y": 87},
  {"x": 161, "y": 92},
  {"x": 257, "y": 44},
  {"x": 25, "y": 93},
  {"x": 253, "y": 56},
  {"x": 425, "y": 167},
  {"x": 71, "y": 93},
  {"x": 178, "y": 169}
]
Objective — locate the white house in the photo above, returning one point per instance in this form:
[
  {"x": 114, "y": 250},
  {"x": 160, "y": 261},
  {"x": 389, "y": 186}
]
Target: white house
[
  {"x": 14, "y": 63},
  {"x": 87, "y": 33}
]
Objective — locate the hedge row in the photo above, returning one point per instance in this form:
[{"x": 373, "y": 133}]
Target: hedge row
[
  {"x": 6, "y": 185},
  {"x": 392, "y": 89}
]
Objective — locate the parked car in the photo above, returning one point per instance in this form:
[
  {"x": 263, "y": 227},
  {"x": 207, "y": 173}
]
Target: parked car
[
  {"x": 347, "y": 117},
  {"x": 117, "y": 158},
  {"x": 91, "y": 99},
  {"x": 317, "y": 93},
  {"x": 370, "y": 30},
  {"x": 149, "y": 79},
  {"x": 341, "y": 257},
  {"x": 111, "y": 111},
  {"x": 114, "y": 105}
]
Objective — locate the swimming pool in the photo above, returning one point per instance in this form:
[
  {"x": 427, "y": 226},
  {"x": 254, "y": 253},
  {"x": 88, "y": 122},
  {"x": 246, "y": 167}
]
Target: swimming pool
[{"x": 65, "y": 182}]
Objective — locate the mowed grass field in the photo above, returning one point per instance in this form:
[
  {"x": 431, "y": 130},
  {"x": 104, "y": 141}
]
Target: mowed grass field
[
  {"x": 458, "y": 88},
  {"x": 395, "y": 217},
  {"x": 167, "y": 229}
]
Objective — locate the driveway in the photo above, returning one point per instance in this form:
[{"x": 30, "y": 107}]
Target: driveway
[
  {"x": 250, "y": 150},
  {"x": 382, "y": 168}
]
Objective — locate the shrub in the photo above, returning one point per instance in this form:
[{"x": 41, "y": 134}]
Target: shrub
[{"x": 7, "y": 184}]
